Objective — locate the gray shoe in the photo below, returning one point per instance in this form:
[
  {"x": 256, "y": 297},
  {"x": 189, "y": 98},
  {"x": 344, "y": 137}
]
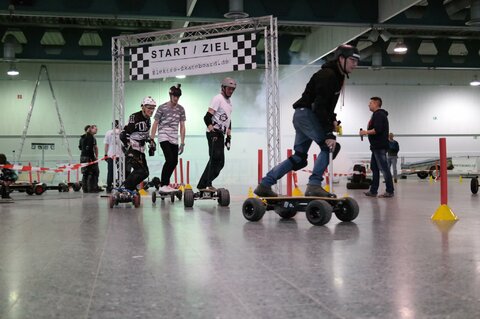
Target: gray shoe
[
  {"x": 370, "y": 194},
  {"x": 386, "y": 195},
  {"x": 318, "y": 191},
  {"x": 265, "y": 191}
]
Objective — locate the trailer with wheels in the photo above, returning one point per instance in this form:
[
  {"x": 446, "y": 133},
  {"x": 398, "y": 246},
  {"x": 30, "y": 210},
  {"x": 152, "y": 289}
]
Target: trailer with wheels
[{"x": 318, "y": 210}]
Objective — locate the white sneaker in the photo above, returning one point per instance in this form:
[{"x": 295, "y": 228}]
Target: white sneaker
[
  {"x": 165, "y": 189},
  {"x": 172, "y": 189}
]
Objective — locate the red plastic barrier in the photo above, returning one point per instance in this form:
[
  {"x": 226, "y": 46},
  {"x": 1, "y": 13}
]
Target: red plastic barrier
[
  {"x": 181, "y": 171},
  {"x": 443, "y": 172},
  {"x": 260, "y": 165},
  {"x": 289, "y": 175}
]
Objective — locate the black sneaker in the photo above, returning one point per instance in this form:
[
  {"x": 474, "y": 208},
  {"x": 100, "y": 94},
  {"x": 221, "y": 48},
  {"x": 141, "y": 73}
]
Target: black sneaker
[
  {"x": 318, "y": 191},
  {"x": 264, "y": 191}
]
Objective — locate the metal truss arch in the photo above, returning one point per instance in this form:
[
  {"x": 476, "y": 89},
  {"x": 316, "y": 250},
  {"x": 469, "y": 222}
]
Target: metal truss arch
[{"x": 266, "y": 25}]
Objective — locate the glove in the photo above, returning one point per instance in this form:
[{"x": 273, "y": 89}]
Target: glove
[
  {"x": 180, "y": 148},
  {"x": 152, "y": 147},
  {"x": 228, "y": 142}
]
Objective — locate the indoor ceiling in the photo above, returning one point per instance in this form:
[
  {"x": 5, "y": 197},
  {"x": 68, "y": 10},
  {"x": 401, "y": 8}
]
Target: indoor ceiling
[{"x": 438, "y": 33}]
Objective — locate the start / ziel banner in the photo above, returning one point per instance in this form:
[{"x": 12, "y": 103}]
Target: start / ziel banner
[{"x": 226, "y": 54}]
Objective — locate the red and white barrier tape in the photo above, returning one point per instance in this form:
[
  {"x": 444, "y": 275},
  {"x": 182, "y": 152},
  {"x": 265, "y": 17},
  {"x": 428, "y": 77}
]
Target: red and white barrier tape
[{"x": 60, "y": 169}]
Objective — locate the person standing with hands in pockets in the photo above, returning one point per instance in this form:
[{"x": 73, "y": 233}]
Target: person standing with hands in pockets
[{"x": 377, "y": 132}]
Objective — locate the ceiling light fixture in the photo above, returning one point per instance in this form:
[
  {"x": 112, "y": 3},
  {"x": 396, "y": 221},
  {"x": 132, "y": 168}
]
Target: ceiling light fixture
[
  {"x": 180, "y": 76},
  {"x": 400, "y": 47},
  {"x": 236, "y": 10},
  {"x": 12, "y": 71},
  {"x": 475, "y": 81}
]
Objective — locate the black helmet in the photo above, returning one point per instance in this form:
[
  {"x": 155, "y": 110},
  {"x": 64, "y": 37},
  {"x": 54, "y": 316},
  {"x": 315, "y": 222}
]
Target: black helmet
[
  {"x": 346, "y": 51},
  {"x": 175, "y": 90}
]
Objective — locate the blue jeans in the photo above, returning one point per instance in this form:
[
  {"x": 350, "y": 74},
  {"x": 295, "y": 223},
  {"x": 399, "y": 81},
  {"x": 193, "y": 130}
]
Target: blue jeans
[
  {"x": 307, "y": 129},
  {"x": 392, "y": 162},
  {"x": 378, "y": 163}
]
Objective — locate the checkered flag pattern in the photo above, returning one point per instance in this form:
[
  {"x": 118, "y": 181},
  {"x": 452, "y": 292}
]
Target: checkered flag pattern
[
  {"x": 139, "y": 64},
  {"x": 244, "y": 52}
]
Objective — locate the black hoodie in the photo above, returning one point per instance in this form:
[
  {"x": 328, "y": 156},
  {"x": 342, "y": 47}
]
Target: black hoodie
[
  {"x": 379, "y": 122},
  {"x": 322, "y": 92}
]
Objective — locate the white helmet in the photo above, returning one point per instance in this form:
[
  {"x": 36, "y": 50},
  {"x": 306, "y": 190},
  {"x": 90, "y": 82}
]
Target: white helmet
[
  {"x": 148, "y": 100},
  {"x": 229, "y": 82}
]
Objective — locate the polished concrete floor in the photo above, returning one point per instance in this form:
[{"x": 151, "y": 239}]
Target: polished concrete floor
[{"x": 67, "y": 255}]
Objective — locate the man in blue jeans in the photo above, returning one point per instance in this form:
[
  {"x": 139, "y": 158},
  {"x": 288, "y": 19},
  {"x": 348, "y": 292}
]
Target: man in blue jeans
[
  {"x": 377, "y": 132},
  {"x": 315, "y": 120}
]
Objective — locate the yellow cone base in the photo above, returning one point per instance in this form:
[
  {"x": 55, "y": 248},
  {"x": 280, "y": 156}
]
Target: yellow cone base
[
  {"x": 297, "y": 192},
  {"x": 460, "y": 180},
  {"x": 188, "y": 186},
  {"x": 181, "y": 188},
  {"x": 444, "y": 212},
  {"x": 143, "y": 192},
  {"x": 327, "y": 188},
  {"x": 250, "y": 193}
]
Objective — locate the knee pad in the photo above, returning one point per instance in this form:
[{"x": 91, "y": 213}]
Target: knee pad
[
  {"x": 336, "y": 150},
  {"x": 303, "y": 160}
]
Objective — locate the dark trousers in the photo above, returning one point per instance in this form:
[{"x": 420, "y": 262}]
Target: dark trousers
[
  {"x": 170, "y": 151},
  {"x": 216, "y": 161},
  {"x": 89, "y": 175},
  {"x": 138, "y": 168},
  {"x": 4, "y": 190}
]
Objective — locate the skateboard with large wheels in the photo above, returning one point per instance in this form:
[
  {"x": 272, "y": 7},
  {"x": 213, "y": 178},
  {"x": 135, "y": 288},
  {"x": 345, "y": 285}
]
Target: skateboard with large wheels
[
  {"x": 162, "y": 195},
  {"x": 318, "y": 210},
  {"x": 222, "y": 195},
  {"x": 474, "y": 185},
  {"x": 29, "y": 188},
  {"x": 123, "y": 195}
]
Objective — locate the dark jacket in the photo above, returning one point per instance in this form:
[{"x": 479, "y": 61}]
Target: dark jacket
[
  {"x": 88, "y": 146},
  {"x": 138, "y": 127},
  {"x": 321, "y": 94},
  {"x": 379, "y": 122},
  {"x": 393, "y": 148},
  {"x": 80, "y": 142}
]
